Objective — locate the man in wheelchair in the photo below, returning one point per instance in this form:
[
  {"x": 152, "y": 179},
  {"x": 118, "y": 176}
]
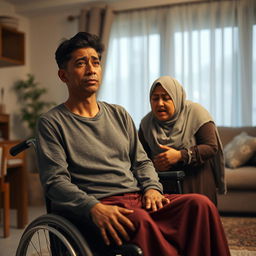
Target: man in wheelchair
[{"x": 95, "y": 171}]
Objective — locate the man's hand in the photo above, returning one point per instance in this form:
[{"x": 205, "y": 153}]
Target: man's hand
[
  {"x": 163, "y": 161},
  {"x": 154, "y": 200},
  {"x": 112, "y": 220}
]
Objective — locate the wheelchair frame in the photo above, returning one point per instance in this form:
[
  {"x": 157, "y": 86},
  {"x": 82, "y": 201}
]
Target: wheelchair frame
[{"x": 61, "y": 237}]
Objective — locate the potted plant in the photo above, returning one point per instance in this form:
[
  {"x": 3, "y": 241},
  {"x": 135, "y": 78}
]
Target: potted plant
[{"x": 29, "y": 95}]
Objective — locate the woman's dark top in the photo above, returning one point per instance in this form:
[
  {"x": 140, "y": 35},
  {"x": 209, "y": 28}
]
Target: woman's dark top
[{"x": 199, "y": 174}]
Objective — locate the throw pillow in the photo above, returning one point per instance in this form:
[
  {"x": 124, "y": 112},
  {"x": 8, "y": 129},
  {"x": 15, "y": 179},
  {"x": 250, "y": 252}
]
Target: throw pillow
[{"x": 239, "y": 150}]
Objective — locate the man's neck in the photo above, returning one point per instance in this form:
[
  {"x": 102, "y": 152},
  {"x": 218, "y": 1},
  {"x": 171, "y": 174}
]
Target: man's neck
[{"x": 85, "y": 108}]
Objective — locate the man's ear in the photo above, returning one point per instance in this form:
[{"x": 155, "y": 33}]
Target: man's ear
[{"x": 62, "y": 75}]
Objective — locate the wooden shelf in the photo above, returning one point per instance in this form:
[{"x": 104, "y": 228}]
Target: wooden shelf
[{"x": 12, "y": 45}]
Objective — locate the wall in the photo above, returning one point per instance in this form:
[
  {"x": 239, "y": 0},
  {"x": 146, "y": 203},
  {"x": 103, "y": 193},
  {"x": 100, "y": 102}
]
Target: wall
[
  {"x": 44, "y": 29},
  {"x": 43, "y": 32},
  {"x": 47, "y": 30},
  {"x": 10, "y": 74}
]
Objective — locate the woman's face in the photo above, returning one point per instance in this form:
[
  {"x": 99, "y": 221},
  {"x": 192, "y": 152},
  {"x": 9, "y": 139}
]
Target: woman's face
[{"x": 161, "y": 104}]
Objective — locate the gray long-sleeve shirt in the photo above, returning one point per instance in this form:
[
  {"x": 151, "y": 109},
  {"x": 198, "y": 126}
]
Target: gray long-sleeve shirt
[{"x": 84, "y": 159}]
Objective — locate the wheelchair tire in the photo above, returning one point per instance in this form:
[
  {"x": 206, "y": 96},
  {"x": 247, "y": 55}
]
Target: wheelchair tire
[{"x": 51, "y": 234}]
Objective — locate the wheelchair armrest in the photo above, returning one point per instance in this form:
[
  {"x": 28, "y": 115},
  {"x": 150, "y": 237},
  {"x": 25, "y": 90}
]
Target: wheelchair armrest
[
  {"x": 171, "y": 175},
  {"x": 128, "y": 249}
]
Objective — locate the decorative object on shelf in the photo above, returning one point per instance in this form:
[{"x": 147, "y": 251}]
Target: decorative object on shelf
[
  {"x": 9, "y": 21},
  {"x": 32, "y": 106}
]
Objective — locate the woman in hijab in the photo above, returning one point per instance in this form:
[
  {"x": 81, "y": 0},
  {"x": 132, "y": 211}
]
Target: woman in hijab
[{"x": 181, "y": 135}]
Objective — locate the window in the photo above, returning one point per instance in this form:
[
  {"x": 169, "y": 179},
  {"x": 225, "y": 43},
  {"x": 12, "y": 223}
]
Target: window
[{"x": 209, "y": 47}]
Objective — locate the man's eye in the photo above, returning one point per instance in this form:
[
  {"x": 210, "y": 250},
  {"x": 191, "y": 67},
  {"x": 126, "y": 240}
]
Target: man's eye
[
  {"x": 96, "y": 63},
  {"x": 80, "y": 63}
]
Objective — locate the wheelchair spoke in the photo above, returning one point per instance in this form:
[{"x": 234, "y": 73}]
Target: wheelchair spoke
[
  {"x": 31, "y": 242},
  {"x": 47, "y": 242},
  {"x": 37, "y": 248},
  {"x": 38, "y": 239}
]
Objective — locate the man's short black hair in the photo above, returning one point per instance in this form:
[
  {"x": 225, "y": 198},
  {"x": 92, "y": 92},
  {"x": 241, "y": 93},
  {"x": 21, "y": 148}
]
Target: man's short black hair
[{"x": 80, "y": 40}]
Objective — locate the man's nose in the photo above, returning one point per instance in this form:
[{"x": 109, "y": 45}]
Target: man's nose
[{"x": 90, "y": 68}]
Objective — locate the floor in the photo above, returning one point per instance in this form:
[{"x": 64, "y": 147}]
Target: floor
[{"x": 9, "y": 245}]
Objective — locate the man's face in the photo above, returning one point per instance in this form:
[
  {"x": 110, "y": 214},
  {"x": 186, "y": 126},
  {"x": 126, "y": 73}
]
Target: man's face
[
  {"x": 161, "y": 104},
  {"x": 83, "y": 73}
]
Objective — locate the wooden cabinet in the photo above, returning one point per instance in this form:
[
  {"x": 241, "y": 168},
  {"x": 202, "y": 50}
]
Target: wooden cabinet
[{"x": 12, "y": 45}]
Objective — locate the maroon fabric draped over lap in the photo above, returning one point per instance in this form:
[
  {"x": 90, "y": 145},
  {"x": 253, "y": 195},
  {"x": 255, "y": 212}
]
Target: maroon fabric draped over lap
[{"x": 190, "y": 225}]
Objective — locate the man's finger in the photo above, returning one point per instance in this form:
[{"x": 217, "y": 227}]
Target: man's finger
[
  {"x": 165, "y": 201},
  {"x": 104, "y": 236},
  {"x": 114, "y": 234},
  {"x": 159, "y": 204},
  {"x": 153, "y": 206},
  {"x": 147, "y": 203},
  {"x": 127, "y": 222},
  {"x": 125, "y": 211},
  {"x": 121, "y": 230}
]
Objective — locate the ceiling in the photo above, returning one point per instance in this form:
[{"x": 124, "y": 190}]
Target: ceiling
[
  {"x": 18, "y": 1},
  {"x": 31, "y": 6},
  {"x": 43, "y": 2}
]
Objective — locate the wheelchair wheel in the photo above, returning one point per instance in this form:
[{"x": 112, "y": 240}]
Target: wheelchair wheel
[{"x": 52, "y": 235}]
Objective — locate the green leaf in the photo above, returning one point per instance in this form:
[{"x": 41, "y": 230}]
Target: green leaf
[{"x": 29, "y": 95}]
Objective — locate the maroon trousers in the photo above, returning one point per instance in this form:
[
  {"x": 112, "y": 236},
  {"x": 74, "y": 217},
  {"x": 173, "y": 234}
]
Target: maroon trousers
[{"x": 189, "y": 226}]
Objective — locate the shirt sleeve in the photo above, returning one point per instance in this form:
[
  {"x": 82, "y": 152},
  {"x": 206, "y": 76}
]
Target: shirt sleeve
[
  {"x": 54, "y": 174},
  {"x": 206, "y": 146},
  {"x": 144, "y": 143},
  {"x": 142, "y": 166}
]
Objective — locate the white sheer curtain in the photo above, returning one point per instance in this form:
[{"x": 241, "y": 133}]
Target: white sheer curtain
[{"x": 209, "y": 47}]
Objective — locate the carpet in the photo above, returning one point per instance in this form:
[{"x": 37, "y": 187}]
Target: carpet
[
  {"x": 242, "y": 253},
  {"x": 241, "y": 235}
]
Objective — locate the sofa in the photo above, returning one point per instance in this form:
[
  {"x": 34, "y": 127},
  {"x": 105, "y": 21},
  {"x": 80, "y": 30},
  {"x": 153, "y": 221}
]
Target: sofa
[{"x": 240, "y": 178}]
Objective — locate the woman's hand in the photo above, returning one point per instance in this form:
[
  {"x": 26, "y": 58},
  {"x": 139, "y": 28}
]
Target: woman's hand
[
  {"x": 163, "y": 161},
  {"x": 154, "y": 200},
  {"x": 112, "y": 221}
]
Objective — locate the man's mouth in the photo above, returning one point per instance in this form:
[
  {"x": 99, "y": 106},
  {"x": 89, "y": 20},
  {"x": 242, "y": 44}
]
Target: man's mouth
[{"x": 91, "y": 81}]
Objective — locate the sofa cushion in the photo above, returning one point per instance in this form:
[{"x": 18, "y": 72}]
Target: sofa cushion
[
  {"x": 242, "y": 178},
  {"x": 238, "y": 151}
]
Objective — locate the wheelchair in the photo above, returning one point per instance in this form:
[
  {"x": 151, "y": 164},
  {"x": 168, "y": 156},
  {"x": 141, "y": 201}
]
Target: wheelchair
[{"x": 55, "y": 235}]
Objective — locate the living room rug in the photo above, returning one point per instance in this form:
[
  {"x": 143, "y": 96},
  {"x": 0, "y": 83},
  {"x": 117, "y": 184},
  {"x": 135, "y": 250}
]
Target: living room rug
[{"x": 241, "y": 235}]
